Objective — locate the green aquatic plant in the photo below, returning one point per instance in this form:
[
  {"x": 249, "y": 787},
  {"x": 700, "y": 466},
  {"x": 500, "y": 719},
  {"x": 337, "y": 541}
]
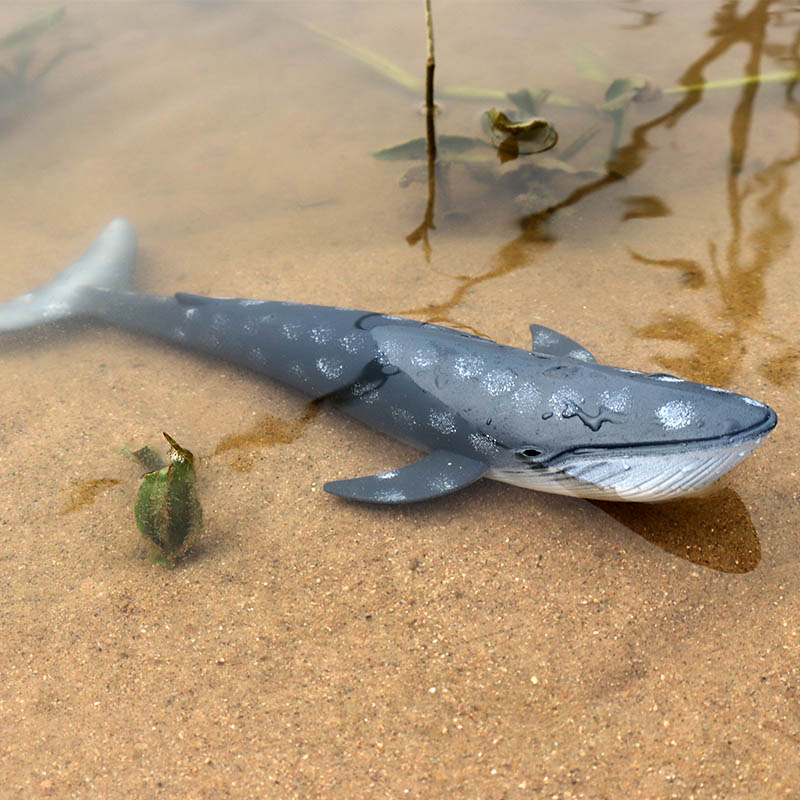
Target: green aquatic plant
[
  {"x": 28, "y": 53},
  {"x": 146, "y": 456},
  {"x": 167, "y": 509},
  {"x": 508, "y": 132},
  {"x": 586, "y": 63},
  {"x": 29, "y": 31},
  {"x": 514, "y": 134},
  {"x": 612, "y": 109},
  {"x": 18, "y": 50},
  {"x": 464, "y": 148}
]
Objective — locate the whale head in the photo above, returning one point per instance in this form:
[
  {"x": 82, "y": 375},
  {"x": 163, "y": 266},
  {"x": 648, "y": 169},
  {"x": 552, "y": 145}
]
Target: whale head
[
  {"x": 669, "y": 439},
  {"x": 571, "y": 426}
]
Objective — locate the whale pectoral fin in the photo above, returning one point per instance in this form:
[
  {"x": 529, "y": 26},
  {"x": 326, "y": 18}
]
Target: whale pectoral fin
[
  {"x": 552, "y": 343},
  {"x": 435, "y": 475}
]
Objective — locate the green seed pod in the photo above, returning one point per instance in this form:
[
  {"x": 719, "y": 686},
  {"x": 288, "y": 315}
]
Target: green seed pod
[{"x": 167, "y": 509}]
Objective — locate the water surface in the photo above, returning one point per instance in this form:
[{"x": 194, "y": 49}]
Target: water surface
[{"x": 495, "y": 643}]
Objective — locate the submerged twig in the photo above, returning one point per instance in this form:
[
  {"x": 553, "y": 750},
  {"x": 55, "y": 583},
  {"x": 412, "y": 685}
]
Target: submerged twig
[
  {"x": 431, "y": 63},
  {"x": 423, "y": 229}
]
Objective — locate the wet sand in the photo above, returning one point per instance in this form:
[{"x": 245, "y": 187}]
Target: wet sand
[{"x": 495, "y": 643}]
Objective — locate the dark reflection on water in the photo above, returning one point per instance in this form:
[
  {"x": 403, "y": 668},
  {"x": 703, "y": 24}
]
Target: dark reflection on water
[
  {"x": 269, "y": 430},
  {"x": 735, "y": 271},
  {"x": 713, "y": 531},
  {"x": 646, "y": 18}
]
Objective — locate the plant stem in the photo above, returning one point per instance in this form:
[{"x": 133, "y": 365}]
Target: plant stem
[
  {"x": 431, "y": 63},
  {"x": 733, "y": 83},
  {"x": 430, "y": 110}
]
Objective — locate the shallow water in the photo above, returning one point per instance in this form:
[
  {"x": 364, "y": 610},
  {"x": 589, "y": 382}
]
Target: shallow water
[{"x": 497, "y": 642}]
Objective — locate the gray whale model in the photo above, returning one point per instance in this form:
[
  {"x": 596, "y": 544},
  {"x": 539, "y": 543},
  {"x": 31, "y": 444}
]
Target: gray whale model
[{"x": 552, "y": 419}]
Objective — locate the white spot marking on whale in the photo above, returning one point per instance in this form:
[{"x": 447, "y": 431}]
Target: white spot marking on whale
[
  {"x": 442, "y": 421},
  {"x": 483, "y": 444},
  {"x": 526, "y": 398},
  {"x": 544, "y": 338},
  {"x": 257, "y": 354},
  {"x": 297, "y": 370},
  {"x": 469, "y": 367},
  {"x": 424, "y": 357},
  {"x": 330, "y": 368},
  {"x": 499, "y": 381},
  {"x": 618, "y": 401},
  {"x": 391, "y": 351},
  {"x": 321, "y": 335},
  {"x": 403, "y": 416},
  {"x": 676, "y": 414},
  {"x": 391, "y": 496},
  {"x": 350, "y": 342},
  {"x": 564, "y": 400},
  {"x": 365, "y": 392},
  {"x": 291, "y": 330},
  {"x": 220, "y": 321},
  {"x": 442, "y": 484}
]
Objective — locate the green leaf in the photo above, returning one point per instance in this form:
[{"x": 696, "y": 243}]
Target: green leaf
[
  {"x": 574, "y": 147},
  {"x": 377, "y": 63},
  {"x": 416, "y": 149},
  {"x": 146, "y": 457},
  {"x": 167, "y": 510},
  {"x": 529, "y": 102},
  {"x": 513, "y": 137},
  {"x": 590, "y": 66},
  {"x": 634, "y": 88}
]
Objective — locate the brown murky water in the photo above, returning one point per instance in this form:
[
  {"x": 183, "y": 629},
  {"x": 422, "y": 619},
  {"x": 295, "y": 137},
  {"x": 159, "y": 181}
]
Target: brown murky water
[{"x": 495, "y": 643}]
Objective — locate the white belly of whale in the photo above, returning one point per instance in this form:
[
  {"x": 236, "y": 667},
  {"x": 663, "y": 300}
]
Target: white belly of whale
[{"x": 631, "y": 476}]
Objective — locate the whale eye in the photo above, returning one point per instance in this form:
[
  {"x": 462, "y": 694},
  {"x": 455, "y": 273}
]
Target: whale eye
[{"x": 529, "y": 452}]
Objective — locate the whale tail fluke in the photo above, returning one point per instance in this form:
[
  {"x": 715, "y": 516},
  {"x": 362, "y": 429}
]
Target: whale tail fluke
[{"x": 107, "y": 264}]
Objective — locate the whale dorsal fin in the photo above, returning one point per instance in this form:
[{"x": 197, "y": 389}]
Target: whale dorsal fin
[
  {"x": 437, "y": 474},
  {"x": 552, "y": 343}
]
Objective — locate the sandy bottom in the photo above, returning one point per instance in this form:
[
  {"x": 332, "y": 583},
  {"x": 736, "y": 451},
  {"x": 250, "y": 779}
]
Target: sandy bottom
[{"x": 496, "y": 643}]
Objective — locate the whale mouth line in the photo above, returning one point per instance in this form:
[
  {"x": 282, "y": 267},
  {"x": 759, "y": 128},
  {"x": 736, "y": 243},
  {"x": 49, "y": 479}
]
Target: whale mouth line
[
  {"x": 645, "y": 473},
  {"x": 742, "y": 437}
]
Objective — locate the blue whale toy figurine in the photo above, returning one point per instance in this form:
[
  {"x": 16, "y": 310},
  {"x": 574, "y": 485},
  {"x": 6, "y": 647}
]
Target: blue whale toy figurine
[{"x": 551, "y": 419}]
